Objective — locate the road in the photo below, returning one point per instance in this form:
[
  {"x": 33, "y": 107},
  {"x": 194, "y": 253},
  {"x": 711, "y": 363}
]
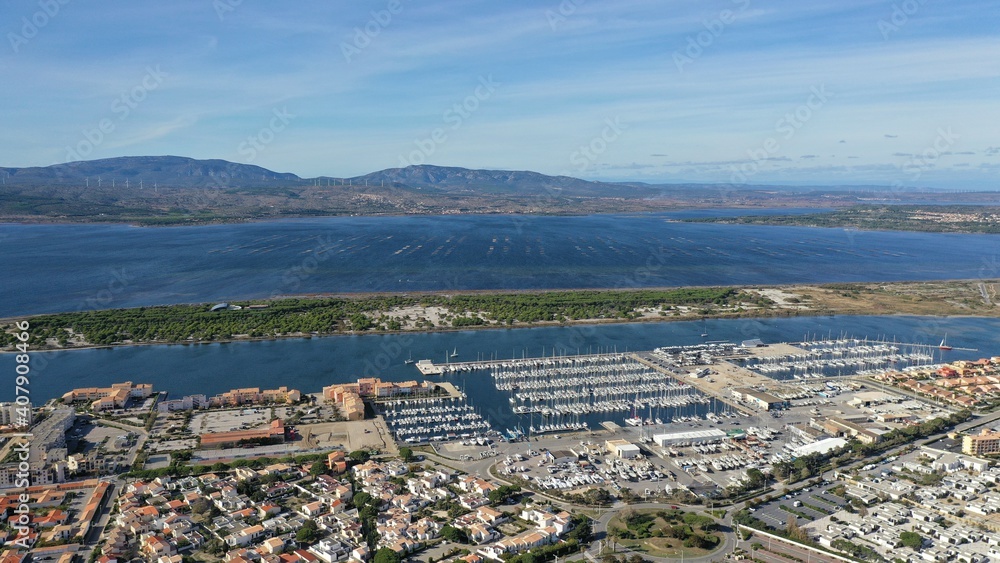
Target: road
[
  {"x": 482, "y": 467},
  {"x": 796, "y": 551},
  {"x": 97, "y": 529},
  {"x": 725, "y": 530},
  {"x": 139, "y": 442}
]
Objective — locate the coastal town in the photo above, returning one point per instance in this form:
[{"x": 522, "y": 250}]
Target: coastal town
[
  {"x": 500, "y": 282},
  {"x": 762, "y": 450}
]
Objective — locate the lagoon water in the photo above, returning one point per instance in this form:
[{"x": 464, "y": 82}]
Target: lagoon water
[
  {"x": 50, "y": 268},
  {"x": 310, "y": 364}
]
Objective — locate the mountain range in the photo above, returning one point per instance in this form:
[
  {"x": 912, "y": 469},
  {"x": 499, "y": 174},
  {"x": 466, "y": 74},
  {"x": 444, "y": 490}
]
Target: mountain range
[
  {"x": 183, "y": 172},
  {"x": 174, "y": 190}
]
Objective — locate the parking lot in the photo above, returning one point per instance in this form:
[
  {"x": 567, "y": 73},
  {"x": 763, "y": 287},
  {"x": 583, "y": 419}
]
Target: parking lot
[
  {"x": 228, "y": 420},
  {"x": 814, "y": 502},
  {"x": 93, "y": 436},
  {"x": 175, "y": 445},
  {"x": 157, "y": 461}
]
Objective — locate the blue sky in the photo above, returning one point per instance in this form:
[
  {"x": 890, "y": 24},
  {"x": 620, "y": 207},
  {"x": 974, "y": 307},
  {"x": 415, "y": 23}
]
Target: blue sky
[{"x": 739, "y": 91}]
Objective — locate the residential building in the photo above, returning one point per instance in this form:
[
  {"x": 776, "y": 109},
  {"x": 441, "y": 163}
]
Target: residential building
[
  {"x": 13, "y": 414},
  {"x": 254, "y": 396},
  {"x": 107, "y": 398},
  {"x": 272, "y": 433},
  {"x": 186, "y": 403},
  {"x": 987, "y": 442}
]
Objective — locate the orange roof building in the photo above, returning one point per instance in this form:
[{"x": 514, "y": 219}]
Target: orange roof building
[
  {"x": 274, "y": 432},
  {"x": 114, "y": 397}
]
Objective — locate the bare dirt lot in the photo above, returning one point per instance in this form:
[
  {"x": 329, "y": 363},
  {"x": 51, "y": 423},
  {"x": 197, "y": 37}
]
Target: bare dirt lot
[
  {"x": 353, "y": 435},
  {"x": 227, "y": 420}
]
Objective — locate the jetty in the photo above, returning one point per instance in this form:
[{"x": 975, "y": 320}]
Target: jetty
[{"x": 427, "y": 367}]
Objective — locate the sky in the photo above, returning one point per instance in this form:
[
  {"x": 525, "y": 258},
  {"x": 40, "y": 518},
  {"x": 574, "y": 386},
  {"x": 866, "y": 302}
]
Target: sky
[{"x": 823, "y": 92}]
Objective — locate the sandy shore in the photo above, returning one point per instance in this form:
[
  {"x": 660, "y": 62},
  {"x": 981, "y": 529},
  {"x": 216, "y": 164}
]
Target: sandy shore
[{"x": 955, "y": 298}]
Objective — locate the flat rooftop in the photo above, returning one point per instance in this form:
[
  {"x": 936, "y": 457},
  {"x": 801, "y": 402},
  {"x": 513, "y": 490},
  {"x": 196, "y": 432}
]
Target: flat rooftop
[{"x": 693, "y": 434}]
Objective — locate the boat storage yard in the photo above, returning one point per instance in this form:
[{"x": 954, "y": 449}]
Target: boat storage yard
[{"x": 675, "y": 418}]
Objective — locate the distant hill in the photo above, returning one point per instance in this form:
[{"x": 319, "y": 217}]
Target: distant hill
[
  {"x": 182, "y": 172},
  {"x": 508, "y": 182},
  {"x": 174, "y": 190},
  {"x": 167, "y": 171}
]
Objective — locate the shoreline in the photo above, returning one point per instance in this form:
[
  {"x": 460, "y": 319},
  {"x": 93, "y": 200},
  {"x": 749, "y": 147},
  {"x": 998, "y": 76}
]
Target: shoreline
[
  {"x": 812, "y": 307},
  {"x": 668, "y": 206},
  {"x": 539, "y": 291},
  {"x": 671, "y": 207},
  {"x": 539, "y": 324},
  {"x": 438, "y": 213},
  {"x": 544, "y": 324}
]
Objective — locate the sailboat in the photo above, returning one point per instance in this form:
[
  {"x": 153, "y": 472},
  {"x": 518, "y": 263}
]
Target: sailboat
[
  {"x": 704, "y": 329},
  {"x": 410, "y": 359},
  {"x": 944, "y": 343},
  {"x": 454, "y": 354},
  {"x": 635, "y": 420}
]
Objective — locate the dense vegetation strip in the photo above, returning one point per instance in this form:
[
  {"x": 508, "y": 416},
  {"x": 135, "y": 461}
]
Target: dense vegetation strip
[
  {"x": 925, "y": 218},
  {"x": 303, "y": 316}
]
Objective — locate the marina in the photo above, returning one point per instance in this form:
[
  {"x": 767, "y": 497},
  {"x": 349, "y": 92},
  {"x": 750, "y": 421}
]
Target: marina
[
  {"x": 434, "y": 421},
  {"x": 670, "y": 386},
  {"x": 575, "y": 393},
  {"x": 839, "y": 358},
  {"x": 186, "y": 370}
]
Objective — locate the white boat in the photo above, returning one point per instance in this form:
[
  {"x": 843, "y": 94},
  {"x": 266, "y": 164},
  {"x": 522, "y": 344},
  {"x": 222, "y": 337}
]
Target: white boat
[{"x": 634, "y": 421}]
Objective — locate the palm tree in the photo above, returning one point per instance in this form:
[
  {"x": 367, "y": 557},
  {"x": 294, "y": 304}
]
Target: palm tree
[{"x": 614, "y": 534}]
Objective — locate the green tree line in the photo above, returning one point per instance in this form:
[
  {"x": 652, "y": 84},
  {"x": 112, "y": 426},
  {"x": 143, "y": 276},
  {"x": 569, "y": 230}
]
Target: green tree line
[
  {"x": 295, "y": 316},
  {"x": 923, "y": 218}
]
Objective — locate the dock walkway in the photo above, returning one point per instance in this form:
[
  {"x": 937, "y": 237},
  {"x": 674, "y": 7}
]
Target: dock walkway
[{"x": 428, "y": 367}]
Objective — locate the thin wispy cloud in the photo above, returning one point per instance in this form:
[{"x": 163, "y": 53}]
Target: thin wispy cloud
[{"x": 367, "y": 86}]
